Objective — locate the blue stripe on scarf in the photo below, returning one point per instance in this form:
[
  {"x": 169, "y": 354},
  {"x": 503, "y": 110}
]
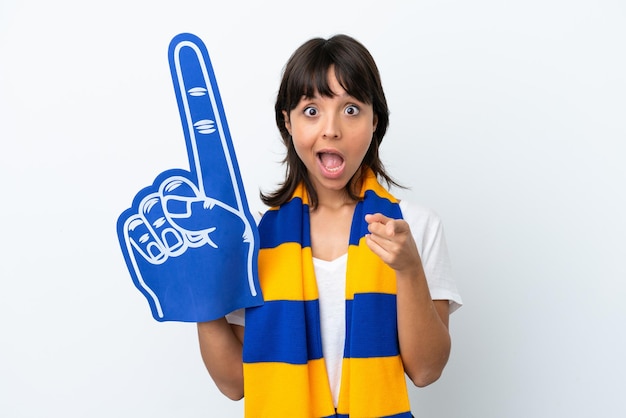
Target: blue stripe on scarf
[
  {"x": 280, "y": 343},
  {"x": 277, "y": 225},
  {"x": 376, "y": 333},
  {"x": 377, "y": 339},
  {"x": 291, "y": 214},
  {"x": 377, "y": 205}
]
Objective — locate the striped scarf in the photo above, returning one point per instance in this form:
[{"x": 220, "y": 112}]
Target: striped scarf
[{"x": 284, "y": 371}]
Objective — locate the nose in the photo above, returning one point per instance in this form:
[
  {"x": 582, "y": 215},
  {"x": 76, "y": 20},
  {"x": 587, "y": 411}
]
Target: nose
[{"x": 331, "y": 127}]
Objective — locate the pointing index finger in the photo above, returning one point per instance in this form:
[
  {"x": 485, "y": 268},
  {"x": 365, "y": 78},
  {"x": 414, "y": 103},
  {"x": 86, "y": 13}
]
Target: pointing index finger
[
  {"x": 376, "y": 217},
  {"x": 209, "y": 146}
]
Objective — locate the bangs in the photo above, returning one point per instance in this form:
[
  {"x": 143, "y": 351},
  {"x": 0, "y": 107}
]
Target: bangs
[{"x": 312, "y": 78}]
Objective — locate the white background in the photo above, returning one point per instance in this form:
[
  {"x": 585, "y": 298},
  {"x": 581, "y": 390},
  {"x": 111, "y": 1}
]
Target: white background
[{"x": 508, "y": 119}]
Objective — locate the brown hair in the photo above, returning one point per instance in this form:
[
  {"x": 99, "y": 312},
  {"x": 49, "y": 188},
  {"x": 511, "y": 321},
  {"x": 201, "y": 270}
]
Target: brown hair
[{"x": 305, "y": 74}]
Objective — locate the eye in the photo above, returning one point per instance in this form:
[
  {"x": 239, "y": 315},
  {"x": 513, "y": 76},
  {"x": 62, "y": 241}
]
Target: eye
[
  {"x": 310, "y": 111},
  {"x": 352, "y": 110}
]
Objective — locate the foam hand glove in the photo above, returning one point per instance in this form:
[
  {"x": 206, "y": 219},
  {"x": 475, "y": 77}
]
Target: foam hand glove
[{"x": 189, "y": 240}]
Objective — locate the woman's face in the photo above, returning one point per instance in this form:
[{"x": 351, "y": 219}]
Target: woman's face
[{"x": 331, "y": 135}]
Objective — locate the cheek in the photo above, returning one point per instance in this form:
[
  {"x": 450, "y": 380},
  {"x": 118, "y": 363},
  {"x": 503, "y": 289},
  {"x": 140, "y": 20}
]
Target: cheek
[
  {"x": 303, "y": 136},
  {"x": 366, "y": 148},
  {"x": 366, "y": 137},
  {"x": 300, "y": 146}
]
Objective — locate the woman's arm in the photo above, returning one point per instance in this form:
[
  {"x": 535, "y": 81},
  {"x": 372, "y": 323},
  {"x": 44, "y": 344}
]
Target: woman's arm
[
  {"x": 221, "y": 349},
  {"x": 422, "y": 323},
  {"x": 422, "y": 329}
]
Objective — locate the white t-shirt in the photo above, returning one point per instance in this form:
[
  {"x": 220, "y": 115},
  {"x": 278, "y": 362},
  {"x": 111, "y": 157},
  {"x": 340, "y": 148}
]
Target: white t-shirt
[{"x": 428, "y": 234}]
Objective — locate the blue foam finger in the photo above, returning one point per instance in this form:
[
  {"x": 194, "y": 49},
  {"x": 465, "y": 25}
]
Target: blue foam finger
[
  {"x": 189, "y": 240},
  {"x": 203, "y": 119}
]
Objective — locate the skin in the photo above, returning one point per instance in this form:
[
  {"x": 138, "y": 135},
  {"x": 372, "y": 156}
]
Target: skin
[{"x": 343, "y": 126}]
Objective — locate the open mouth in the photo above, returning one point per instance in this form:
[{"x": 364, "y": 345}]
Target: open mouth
[{"x": 330, "y": 161}]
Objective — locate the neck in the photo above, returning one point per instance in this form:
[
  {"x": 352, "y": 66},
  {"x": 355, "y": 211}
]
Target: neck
[
  {"x": 334, "y": 201},
  {"x": 337, "y": 199}
]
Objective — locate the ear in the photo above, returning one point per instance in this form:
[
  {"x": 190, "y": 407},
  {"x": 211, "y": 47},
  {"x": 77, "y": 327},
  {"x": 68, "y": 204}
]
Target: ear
[
  {"x": 287, "y": 121},
  {"x": 375, "y": 122}
]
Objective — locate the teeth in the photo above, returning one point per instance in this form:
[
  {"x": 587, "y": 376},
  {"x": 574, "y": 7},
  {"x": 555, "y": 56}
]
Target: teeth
[{"x": 332, "y": 162}]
